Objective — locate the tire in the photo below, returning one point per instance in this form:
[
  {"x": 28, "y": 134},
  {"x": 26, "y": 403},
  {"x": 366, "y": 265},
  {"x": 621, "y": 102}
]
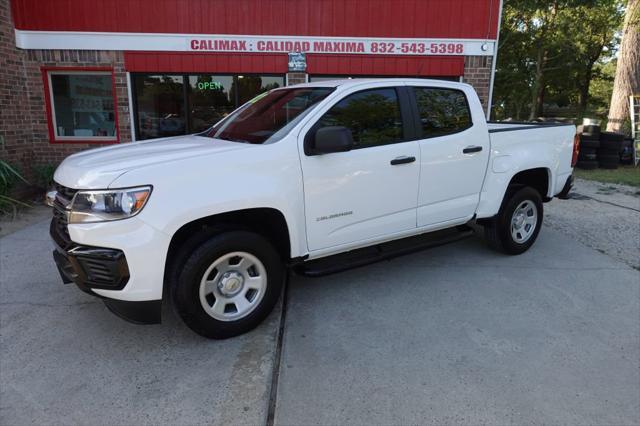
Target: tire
[
  {"x": 517, "y": 206},
  {"x": 611, "y": 145},
  {"x": 590, "y": 137},
  {"x": 591, "y": 130},
  {"x": 587, "y": 165},
  {"x": 611, "y": 136},
  {"x": 238, "y": 275},
  {"x": 587, "y": 157},
  {"x": 609, "y": 166},
  {"x": 609, "y": 158},
  {"x": 587, "y": 150},
  {"x": 589, "y": 144}
]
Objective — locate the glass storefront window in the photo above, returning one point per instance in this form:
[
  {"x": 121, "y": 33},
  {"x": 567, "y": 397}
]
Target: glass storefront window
[
  {"x": 82, "y": 106},
  {"x": 249, "y": 86},
  {"x": 168, "y": 105},
  {"x": 210, "y": 100},
  {"x": 160, "y": 105}
]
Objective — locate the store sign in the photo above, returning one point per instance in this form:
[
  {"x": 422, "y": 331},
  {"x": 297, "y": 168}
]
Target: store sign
[
  {"x": 209, "y": 85},
  {"x": 252, "y": 44},
  {"x": 332, "y": 45},
  {"x": 297, "y": 62}
]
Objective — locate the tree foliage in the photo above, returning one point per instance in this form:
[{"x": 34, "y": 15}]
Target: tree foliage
[{"x": 549, "y": 52}]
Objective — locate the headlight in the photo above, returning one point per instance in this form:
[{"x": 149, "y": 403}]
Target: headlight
[{"x": 110, "y": 204}]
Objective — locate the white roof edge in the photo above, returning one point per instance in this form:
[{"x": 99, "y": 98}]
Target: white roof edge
[{"x": 398, "y": 80}]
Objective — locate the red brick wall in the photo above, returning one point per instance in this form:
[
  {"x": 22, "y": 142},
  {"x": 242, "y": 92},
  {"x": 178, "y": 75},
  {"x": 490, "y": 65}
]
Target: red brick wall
[
  {"x": 477, "y": 72},
  {"x": 24, "y": 137}
]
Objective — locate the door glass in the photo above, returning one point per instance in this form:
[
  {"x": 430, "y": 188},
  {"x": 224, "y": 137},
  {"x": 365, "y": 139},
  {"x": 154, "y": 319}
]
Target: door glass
[
  {"x": 442, "y": 111},
  {"x": 160, "y": 100},
  {"x": 249, "y": 86},
  {"x": 209, "y": 100},
  {"x": 373, "y": 116}
]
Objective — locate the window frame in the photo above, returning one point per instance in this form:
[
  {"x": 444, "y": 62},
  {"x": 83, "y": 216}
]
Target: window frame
[
  {"x": 185, "y": 91},
  {"x": 416, "y": 111},
  {"x": 407, "y": 115},
  {"x": 50, "y": 108}
]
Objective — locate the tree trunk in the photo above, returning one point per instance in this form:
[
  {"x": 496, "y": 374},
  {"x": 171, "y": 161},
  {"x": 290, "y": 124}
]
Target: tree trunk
[
  {"x": 584, "y": 91},
  {"x": 538, "y": 86},
  {"x": 627, "y": 81}
]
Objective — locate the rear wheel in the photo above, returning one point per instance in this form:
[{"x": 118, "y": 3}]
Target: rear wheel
[
  {"x": 518, "y": 222},
  {"x": 228, "y": 284}
]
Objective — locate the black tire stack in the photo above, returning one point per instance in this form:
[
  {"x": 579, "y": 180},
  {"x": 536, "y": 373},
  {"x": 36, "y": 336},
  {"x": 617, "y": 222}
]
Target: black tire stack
[
  {"x": 589, "y": 144},
  {"x": 609, "y": 151},
  {"x": 626, "y": 152}
]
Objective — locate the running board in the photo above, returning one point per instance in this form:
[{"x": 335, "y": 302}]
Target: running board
[{"x": 367, "y": 255}]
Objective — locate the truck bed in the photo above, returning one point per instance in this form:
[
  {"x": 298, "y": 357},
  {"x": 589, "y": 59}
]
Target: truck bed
[
  {"x": 524, "y": 146},
  {"x": 501, "y": 126}
]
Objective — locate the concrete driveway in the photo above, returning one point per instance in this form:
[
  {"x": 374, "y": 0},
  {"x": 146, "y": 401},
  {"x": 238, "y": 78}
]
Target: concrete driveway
[{"x": 456, "y": 334}]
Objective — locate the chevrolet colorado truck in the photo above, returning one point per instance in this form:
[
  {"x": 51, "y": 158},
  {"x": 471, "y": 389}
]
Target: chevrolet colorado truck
[{"x": 316, "y": 177}]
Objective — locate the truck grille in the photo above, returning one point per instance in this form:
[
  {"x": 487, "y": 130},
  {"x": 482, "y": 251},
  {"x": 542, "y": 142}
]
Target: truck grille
[
  {"x": 65, "y": 193},
  {"x": 58, "y": 229}
]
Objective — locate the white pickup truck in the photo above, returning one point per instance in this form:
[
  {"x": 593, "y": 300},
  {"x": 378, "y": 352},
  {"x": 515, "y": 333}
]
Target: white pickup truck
[{"x": 316, "y": 177}]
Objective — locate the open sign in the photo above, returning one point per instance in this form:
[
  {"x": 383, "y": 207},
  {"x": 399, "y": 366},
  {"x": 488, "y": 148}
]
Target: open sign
[{"x": 209, "y": 85}]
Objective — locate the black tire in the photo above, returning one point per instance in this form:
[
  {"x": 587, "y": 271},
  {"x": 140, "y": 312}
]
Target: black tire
[
  {"x": 590, "y": 137},
  {"x": 587, "y": 165},
  {"x": 609, "y": 158},
  {"x": 591, "y": 129},
  {"x": 589, "y": 144},
  {"x": 609, "y": 166},
  {"x": 587, "y": 150},
  {"x": 498, "y": 231},
  {"x": 185, "y": 290},
  {"x": 611, "y": 136},
  {"x": 587, "y": 157},
  {"x": 611, "y": 145}
]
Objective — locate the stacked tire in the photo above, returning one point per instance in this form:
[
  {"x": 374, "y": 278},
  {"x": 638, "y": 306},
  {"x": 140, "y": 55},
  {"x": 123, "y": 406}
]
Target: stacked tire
[
  {"x": 609, "y": 150},
  {"x": 626, "y": 152},
  {"x": 589, "y": 145}
]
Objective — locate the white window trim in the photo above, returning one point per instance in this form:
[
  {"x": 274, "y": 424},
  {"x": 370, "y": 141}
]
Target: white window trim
[{"x": 54, "y": 123}]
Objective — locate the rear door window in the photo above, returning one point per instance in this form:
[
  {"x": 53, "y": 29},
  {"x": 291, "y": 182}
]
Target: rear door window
[{"x": 442, "y": 111}]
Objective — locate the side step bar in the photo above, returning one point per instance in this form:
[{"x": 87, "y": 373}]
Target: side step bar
[{"x": 367, "y": 255}]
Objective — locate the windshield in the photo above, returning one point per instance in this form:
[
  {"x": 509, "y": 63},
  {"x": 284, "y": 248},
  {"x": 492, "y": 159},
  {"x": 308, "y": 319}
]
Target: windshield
[{"x": 268, "y": 116}]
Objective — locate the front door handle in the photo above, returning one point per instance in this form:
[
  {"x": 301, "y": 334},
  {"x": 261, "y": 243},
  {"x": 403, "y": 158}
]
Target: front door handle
[
  {"x": 402, "y": 160},
  {"x": 471, "y": 149}
]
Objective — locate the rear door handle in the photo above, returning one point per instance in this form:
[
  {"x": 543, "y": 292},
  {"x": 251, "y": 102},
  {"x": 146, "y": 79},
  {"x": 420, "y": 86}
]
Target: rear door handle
[
  {"x": 471, "y": 149},
  {"x": 402, "y": 160}
]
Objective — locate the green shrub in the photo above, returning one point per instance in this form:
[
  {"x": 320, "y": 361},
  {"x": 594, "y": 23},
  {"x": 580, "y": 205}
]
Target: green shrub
[
  {"x": 43, "y": 174},
  {"x": 8, "y": 178}
]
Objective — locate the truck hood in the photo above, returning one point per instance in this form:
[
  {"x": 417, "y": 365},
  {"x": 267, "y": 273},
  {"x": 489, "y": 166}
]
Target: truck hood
[{"x": 97, "y": 168}]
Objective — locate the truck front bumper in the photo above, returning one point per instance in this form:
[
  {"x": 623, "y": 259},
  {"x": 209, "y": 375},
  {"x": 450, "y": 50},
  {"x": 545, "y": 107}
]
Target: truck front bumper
[
  {"x": 121, "y": 262},
  {"x": 93, "y": 268}
]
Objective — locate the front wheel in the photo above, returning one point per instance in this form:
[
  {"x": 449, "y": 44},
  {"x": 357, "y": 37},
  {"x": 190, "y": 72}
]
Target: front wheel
[
  {"x": 518, "y": 222},
  {"x": 229, "y": 284}
]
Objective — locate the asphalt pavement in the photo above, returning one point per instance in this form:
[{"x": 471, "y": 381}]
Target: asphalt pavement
[{"x": 452, "y": 335}]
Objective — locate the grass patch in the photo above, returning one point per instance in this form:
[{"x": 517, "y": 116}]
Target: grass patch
[{"x": 626, "y": 175}]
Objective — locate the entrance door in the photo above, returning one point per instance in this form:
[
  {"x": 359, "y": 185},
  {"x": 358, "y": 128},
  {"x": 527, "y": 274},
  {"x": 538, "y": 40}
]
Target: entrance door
[{"x": 370, "y": 191}]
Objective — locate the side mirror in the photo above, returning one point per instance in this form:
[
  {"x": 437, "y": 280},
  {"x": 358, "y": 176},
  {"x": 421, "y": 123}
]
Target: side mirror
[{"x": 332, "y": 139}]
